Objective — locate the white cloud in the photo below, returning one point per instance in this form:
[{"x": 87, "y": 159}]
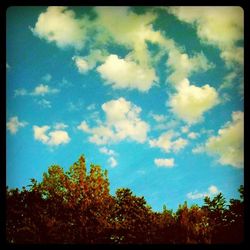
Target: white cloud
[
  {"x": 190, "y": 102},
  {"x": 59, "y": 24},
  {"x": 14, "y": 124},
  {"x": 182, "y": 65},
  {"x": 166, "y": 143},
  {"x": 40, "y": 90},
  {"x": 122, "y": 122},
  {"x": 193, "y": 135},
  {"x": 65, "y": 83},
  {"x": 44, "y": 103},
  {"x": 43, "y": 90},
  {"x": 86, "y": 63},
  {"x": 212, "y": 190},
  {"x": 60, "y": 125},
  {"x": 179, "y": 144},
  {"x": 83, "y": 126},
  {"x": 167, "y": 163},
  {"x": 198, "y": 149},
  {"x": 124, "y": 73},
  {"x": 40, "y": 133},
  {"x": 81, "y": 64},
  {"x": 58, "y": 137},
  {"x": 184, "y": 129},
  {"x": 20, "y": 92},
  {"x": 7, "y": 66},
  {"x": 195, "y": 195},
  {"x": 163, "y": 122},
  {"x": 76, "y": 106},
  {"x": 53, "y": 138},
  {"x": 91, "y": 107},
  {"x": 158, "y": 118},
  {"x": 163, "y": 142},
  {"x": 228, "y": 80},
  {"x": 219, "y": 26},
  {"x": 134, "y": 31},
  {"x": 107, "y": 151},
  {"x": 112, "y": 162},
  {"x": 228, "y": 145},
  {"x": 47, "y": 77},
  {"x": 129, "y": 29}
]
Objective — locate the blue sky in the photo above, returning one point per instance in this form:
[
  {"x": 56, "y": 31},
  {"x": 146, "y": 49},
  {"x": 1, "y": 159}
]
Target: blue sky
[{"x": 154, "y": 95}]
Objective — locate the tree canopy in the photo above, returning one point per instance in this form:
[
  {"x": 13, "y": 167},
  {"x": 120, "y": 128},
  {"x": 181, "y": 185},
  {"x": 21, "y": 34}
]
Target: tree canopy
[{"x": 77, "y": 207}]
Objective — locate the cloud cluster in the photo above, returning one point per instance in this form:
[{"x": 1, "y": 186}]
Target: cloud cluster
[
  {"x": 129, "y": 29},
  {"x": 219, "y": 26},
  {"x": 122, "y": 26},
  {"x": 59, "y": 24},
  {"x": 228, "y": 145},
  {"x": 190, "y": 101},
  {"x": 212, "y": 190},
  {"x": 14, "y": 124},
  {"x": 167, "y": 143},
  {"x": 53, "y": 138},
  {"x": 122, "y": 122},
  {"x": 166, "y": 163}
]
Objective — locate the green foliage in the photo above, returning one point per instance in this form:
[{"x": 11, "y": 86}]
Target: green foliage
[{"x": 77, "y": 207}]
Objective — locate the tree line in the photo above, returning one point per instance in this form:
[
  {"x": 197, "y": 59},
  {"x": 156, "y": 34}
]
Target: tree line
[{"x": 77, "y": 207}]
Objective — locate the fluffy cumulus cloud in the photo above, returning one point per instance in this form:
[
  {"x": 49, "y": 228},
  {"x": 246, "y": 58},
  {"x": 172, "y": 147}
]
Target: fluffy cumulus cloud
[
  {"x": 124, "y": 73},
  {"x": 219, "y": 26},
  {"x": 228, "y": 145},
  {"x": 122, "y": 122},
  {"x": 59, "y": 24},
  {"x": 52, "y": 138},
  {"x": 166, "y": 163},
  {"x": 212, "y": 190},
  {"x": 14, "y": 124},
  {"x": 167, "y": 143},
  {"x": 190, "y": 101}
]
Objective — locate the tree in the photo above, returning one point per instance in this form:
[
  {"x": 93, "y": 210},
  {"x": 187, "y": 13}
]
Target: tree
[
  {"x": 76, "y": 207},
  {"x": 131, "y": 218}
]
